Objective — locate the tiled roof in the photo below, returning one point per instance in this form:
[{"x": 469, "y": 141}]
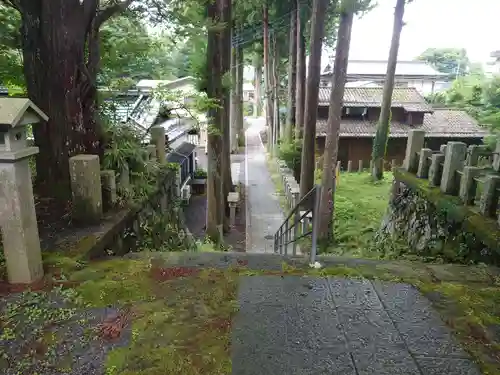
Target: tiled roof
[
  {"x": 402, "y": 97},
  {"x": 445, "y": 123},
  {"x": 379, "y": 68}
]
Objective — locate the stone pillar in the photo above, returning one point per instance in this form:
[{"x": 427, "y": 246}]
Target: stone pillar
[
  {"x": 468, "y": 185},
  {"x": 158, "y": 139},
  {"x": 496, "y": 157},
  {"x": 233, "y": 200},
  {"x": 371, "y": 166},
  {"x": 473, "y": 153},
  {"x": 151, "y": 152},
  {"x": 108, "y": 186},
  {"x": 489, "y": 198},
  {"x": 86, "y": 188},
  {"x": 425, "y": 163},
  {"x": 453, "y": 161},
  {"x": 360, "y": 166},
  {"x": 393, "y": 164},
  {"x": 21, "y": 242},
  {"x": 349, "y": 166},
  {"x": 436, "y": 170},
  {"x": 414, "y": 144}
]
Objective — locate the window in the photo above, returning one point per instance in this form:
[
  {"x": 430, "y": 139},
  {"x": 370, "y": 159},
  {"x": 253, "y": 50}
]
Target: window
[{"x": 355, "y": 112}]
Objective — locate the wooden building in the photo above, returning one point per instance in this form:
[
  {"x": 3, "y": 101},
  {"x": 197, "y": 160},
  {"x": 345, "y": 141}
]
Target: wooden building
[{"x": 361, "y": 110}]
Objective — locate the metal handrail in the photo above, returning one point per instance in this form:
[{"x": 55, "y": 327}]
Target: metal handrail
[{"x": 284, "y": 236}]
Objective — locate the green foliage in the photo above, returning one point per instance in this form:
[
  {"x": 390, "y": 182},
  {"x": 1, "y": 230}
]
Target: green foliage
[
  {"x": 11, "y": 61},
  {"x": 360, "y": 205},
  {"x": 452, "y": 61},
  {"x": 125, "y": 148},
  {"x": 476, "y": 94},
  {"x": 130, "y": 53},
  {"x": 291, "y": 154},
  {"x": 200, "y": 173}
]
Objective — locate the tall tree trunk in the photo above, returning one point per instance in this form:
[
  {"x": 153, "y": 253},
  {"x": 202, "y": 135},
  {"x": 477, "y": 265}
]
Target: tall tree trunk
[
  {"x": 234, "y": 98},
  {"x": 334, "y": 118},
  {"x": 383, "y": 126},
  {"x": 61, "y": 57},
  {"x": 267, "y": 80},
  {"x": 240, "y": 78},
  {"x": 276, "y": 85},
  {"x": 312, "y": 91},
  {"x": 225, "y": 47},
  {"x": 257, "y": 102},
  {"x": 292, "y": 74},
  {"x": 300, "y": 97},
  {"x": 215, "y": 213}
]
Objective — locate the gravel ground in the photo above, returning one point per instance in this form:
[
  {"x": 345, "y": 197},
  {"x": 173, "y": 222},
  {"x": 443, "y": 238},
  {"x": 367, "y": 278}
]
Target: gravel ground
[{"x": 70, "y": 347}]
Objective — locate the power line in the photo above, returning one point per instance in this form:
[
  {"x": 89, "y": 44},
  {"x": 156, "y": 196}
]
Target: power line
[{"x": 257, "y": 30}]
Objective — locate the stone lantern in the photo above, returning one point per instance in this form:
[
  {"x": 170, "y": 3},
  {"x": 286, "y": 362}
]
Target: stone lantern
[{"x": 21, "y": 243}]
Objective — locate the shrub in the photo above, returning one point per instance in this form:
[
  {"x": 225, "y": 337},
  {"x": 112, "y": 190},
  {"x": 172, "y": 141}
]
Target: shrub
[
  {"x": 200, "y": 173},
  {"x": 291, "y": 154}
]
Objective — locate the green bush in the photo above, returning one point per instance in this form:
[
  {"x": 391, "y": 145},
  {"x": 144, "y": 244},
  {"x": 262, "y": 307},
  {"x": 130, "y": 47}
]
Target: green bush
[
  {"x": 291, "y": 154},
  {"x": 200, "y": 173}
]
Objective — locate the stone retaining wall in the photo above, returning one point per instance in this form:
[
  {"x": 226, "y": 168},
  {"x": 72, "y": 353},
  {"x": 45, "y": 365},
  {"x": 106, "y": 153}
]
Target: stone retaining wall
[
  {"x": 121, "y": 231},
  {"x": 430, "y": 223}
]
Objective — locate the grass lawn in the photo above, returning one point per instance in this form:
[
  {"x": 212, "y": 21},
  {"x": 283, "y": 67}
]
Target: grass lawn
[{"x": 360, "y": 205}]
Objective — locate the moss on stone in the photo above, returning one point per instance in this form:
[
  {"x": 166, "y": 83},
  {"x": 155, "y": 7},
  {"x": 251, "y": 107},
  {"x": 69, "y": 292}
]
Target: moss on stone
[
  {"x": 486, "y": 229},
  {"x": 114, "y": 282}
]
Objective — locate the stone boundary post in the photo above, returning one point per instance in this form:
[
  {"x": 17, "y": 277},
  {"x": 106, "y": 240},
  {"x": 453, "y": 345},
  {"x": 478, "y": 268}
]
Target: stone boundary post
[
  {"x": 415, "y": 143},
  {"x": 453, "y": 161},
  {"x": 86, "y": 190}
]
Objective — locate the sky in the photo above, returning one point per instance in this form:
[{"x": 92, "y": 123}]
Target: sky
[{"x": 472, "y": 25}]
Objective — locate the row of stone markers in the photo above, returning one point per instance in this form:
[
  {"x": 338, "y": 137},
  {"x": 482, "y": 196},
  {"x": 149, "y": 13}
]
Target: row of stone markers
[
  {"x": 90, "y": 186},
  {"x": 292, "y": 193},
  {"x": 455, "y": 170},
  {"x": 94, "y": 191},
  {"x": 359, "y": 168}
]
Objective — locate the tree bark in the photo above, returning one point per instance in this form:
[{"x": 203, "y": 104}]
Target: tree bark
[
  {"x": 215, "y": 213},
  {"x": 225, "y": 47},
  {"x": 328, "y": 182},
  {"x": 257, "y": 103},
  {"x": 292, "y": 75},
  {"x": 61, "y": 56},
  {"x": 240, "y": 61},
  {"x": 267, "y": 80},
  {"x": 276, "y": 85},
  {"x": 383, "y": 126},
  {"x": 234, "y": 98},
  {"x": 312, "y": 91},
  {"x": 300, "y": 97}
]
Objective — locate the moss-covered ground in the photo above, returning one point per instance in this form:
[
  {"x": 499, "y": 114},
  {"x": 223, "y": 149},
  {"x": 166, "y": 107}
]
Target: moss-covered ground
[{"x": 178, "y": 319}]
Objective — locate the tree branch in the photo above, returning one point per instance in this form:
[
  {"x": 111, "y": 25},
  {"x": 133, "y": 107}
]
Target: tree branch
[{"x": 108, "y": 12}]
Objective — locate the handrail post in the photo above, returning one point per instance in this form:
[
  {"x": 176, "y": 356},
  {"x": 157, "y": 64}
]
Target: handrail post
[
  {"x": 315, "y": 223},
  {"x": 286, "y": 237},
  {"x": 295, "y": 230}
]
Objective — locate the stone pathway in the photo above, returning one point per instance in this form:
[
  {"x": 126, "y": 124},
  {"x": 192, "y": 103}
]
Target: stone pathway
[
  {"x": 334, "y": 326},
  {"x": 264, "y": 214}
]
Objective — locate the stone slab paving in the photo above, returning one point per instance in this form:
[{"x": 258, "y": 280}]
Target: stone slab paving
[
  {"x": 264, "y": 214},
  {"x": 291, "y": 325}
]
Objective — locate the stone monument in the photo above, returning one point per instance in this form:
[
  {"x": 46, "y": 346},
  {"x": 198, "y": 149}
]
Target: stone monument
[{"x": 21, "y": 242}]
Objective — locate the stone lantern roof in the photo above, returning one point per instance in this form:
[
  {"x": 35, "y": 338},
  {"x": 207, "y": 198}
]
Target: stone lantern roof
[{"x": 18, "y": 112}]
